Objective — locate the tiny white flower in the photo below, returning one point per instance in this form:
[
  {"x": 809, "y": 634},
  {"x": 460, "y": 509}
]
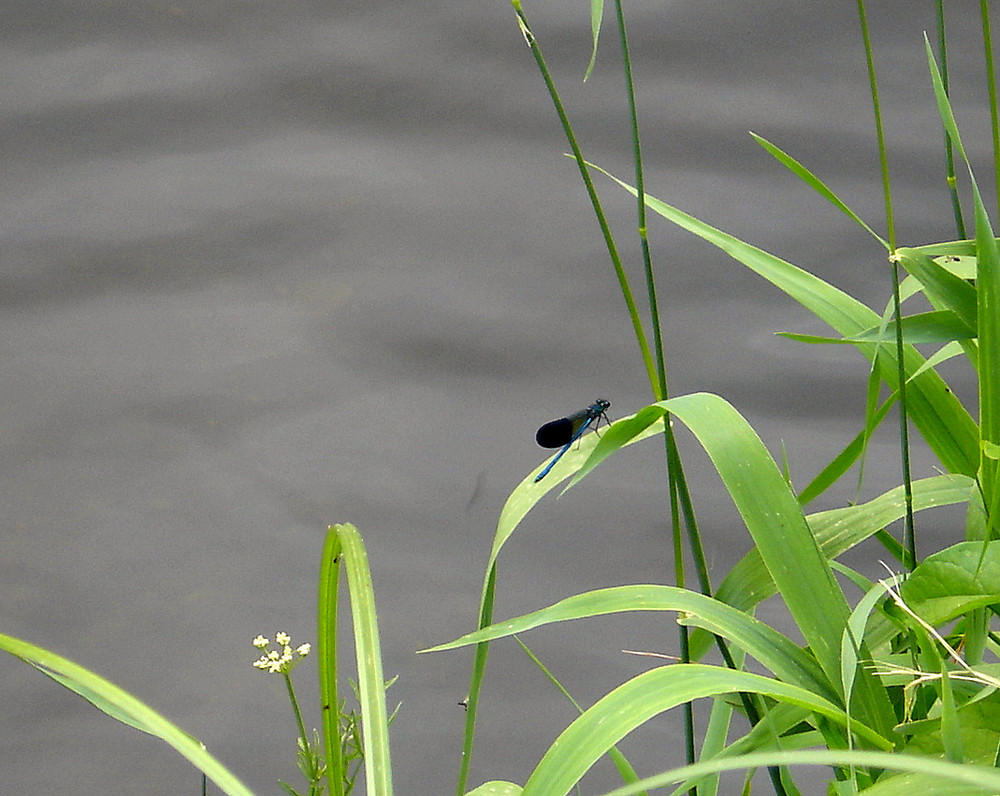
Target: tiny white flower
[{"x": 281, "y": 658}]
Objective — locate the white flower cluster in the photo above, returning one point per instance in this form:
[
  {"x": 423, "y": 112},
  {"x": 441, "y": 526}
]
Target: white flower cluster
[{"x": 282, "y": 659}]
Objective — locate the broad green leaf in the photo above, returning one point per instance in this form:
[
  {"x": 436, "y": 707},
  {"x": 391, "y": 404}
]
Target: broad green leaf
[
  {"x": 980, "y": 721},
  {"x": 836, "y": 531},
  {"x": 953, "y": 581},
  {"x": 635, "y": 702},
  {"x": 773, "y": 517},
  {"x": 121, "y": 705}
]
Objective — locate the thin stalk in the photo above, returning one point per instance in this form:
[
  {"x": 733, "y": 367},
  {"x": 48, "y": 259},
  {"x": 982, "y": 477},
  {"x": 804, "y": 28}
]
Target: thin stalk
[
  {"x": 660, "y": 391},
  {"x": 890, "y": 223},
  {"x": 690, "y": 753},
  {"x": 296, "y": 709},
  {"x": 949, "y": 155},
  {"x": 625, "y": 769},
  {"x": 476, "y": 683},
  {"x": 991, "y": 83},
  {"x": 909, "y": 542},
  {"x": 326, "y": 638},
  {"x": 909, "y": 538},
  {"x": 640, "y": 334},
  {"x": 678, "y": 491},
  {"x": 660, "y": 387}
]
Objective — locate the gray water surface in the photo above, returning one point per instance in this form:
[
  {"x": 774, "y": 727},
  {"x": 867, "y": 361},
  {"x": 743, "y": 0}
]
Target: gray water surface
[{"x": 266, "y": 266}]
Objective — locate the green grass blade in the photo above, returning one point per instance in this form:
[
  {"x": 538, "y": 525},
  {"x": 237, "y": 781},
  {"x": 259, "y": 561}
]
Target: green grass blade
[
  {"x": 773, "y": 517},
  {"x": 528, "y": 493},
  {"x": 951, "y": 732},
  {"x": 936, "y": 326},
  {"x": 934, "y": 776},
  {"x": 945, "y": 424},
  {"x": 625, "y": 770},
  {"x": 816, "y": 184},
  {"x": 836, "y": 531},
  {"x": 476, "y": 679},
  {"x": 371, "y": 683},
  {"x": 991, "y": 84},
  {"x": 121, "y": 705},
  {"x": 788, "y": 662},
  {"x": 326, "y": 636},
  {"x": 496, "y": 788},
  {"x": 850, "y": 642},
  {"x": 609, "y": 240},
  {"x": 842, "y": 462},
  {"x": 596, "y": 15},
  {"x": 714, "y": 742},
  {"x": 944, "y": 288},
  {"x": 988, "y": 292},
  {"x": 632, "y": 704}
]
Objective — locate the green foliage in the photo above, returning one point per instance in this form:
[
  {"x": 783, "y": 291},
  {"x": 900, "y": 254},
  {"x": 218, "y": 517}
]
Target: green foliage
[
  {"x": 900, "y": 690},
  {"x": 347, "y": 741},
  {"x": 122, "y": 706},
  {"x": 891, "y": 703}
]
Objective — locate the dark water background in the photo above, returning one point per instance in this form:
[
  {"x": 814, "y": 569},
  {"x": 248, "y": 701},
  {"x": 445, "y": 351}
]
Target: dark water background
[{"x": 270, "y": 265}]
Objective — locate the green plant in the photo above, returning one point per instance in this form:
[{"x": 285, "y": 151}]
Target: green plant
[
  {"x": 884, "y": 692},
  {"x": 876, "y": 686},
  {"x": 349, "y": 739}
]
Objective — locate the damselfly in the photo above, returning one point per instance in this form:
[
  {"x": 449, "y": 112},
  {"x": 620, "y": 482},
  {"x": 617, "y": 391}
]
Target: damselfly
[{"x": 562, "y": 433}]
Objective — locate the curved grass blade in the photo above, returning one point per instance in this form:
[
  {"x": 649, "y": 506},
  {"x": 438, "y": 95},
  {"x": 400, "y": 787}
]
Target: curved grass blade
[
  {"x": 988, "y": 307},
  {"x": 596, "y": 15},
  {"x": 528, "y": 493},
  {"x": 121, "y": 705},
  {"x": 931, "y": 776},
  {"x": 836, "y": 531},
  {"x": 496, "y": 788},
  {"x": 843, "y": 461},
  {"x": 632, "y": 704},
  {"x": 773, "y": 517},
  {"x": 625, "y": 770},
  {"x": 944, "y": 288},
  {"x": 371, "y": 683},
  {"x": 326, "y": 638},
  {"x": 816, "y": 184},
  {"x": 785, "y": 659},
  {"x": 942, "y": 420},
  {"x": 937, "y": 326}
]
